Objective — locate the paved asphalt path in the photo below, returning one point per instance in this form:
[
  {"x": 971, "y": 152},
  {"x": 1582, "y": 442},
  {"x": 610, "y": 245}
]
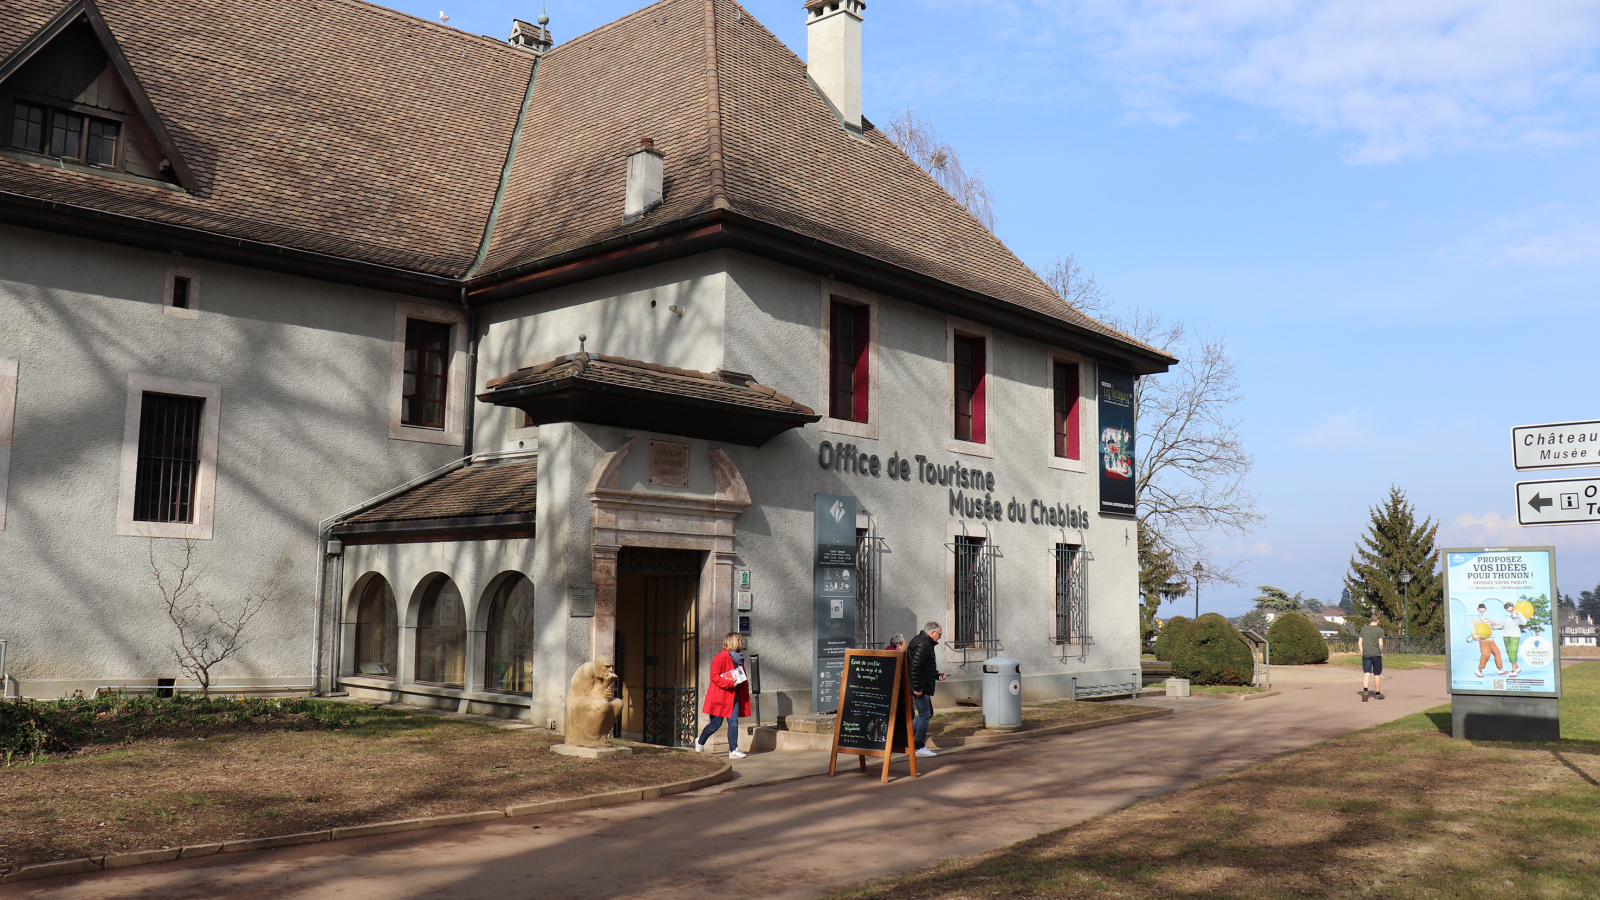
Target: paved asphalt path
[{"x": 794, "y": 839}]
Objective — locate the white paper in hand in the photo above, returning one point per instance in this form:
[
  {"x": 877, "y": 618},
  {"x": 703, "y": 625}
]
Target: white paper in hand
[{"x": 738, "y": 676}]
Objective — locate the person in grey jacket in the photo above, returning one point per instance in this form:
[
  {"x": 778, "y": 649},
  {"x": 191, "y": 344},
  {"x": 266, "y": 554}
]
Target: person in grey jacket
[{"x": 925, "y": 677}]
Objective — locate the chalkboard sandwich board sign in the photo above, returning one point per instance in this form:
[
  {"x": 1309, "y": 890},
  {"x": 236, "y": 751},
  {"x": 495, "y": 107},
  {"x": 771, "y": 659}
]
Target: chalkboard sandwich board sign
[{"x": 874, "y": 717}]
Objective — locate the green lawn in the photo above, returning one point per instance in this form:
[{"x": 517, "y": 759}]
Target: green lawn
[{"x": 1400, "y": 811}]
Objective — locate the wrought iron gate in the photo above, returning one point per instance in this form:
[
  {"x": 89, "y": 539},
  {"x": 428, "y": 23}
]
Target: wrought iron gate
[
  {"x": 672, "y": 649},
  {"x": 975, "y": 594}
]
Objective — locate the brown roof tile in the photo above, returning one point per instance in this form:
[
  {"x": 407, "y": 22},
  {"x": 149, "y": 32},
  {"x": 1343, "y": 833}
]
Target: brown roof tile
[
  {"x": 341, "y": 127},
  {"x": 493, "y": 490},
  {"x": 632, "y": 373},
  {"x": 333, "y": 126}
]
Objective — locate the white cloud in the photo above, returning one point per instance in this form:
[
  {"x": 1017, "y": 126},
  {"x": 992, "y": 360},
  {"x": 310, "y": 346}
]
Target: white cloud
[
  {"x": 1409, "y": 77},
  {"x": 1550, "y": 235},
  {"x": 1490, "y": 530}
]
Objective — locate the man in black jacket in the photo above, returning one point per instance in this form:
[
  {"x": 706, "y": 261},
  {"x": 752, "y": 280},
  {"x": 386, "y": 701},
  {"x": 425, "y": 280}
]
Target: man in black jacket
[{"x": 924, "y": 678}]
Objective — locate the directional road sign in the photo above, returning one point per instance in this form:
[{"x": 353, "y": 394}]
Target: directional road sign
[
  {"x": 1560, "y": 502},
  {"x": 1558, "y": 446}
]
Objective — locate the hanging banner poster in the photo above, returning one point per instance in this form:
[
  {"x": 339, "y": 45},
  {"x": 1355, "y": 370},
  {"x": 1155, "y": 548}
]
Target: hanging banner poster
[
  {"x": 1500, "y": 635},
  {"x": 1117, "y": 487},
  {"x": 833, "y": 596}
]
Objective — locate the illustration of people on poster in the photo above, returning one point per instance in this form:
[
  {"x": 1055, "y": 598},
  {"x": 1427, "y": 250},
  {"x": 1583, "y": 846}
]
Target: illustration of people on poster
[{"x": 1499, "y": 625}]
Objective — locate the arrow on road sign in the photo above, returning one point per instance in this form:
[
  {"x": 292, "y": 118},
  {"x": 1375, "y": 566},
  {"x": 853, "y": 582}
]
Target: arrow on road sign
[{"x": 1561, "y": 501}]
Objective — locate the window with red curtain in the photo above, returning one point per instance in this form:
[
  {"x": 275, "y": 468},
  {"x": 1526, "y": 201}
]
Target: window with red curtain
[
  {"x": 850, "y": 331},
  {"x": 1067, "y": 430},
  {"x": 970, "y": 389}
]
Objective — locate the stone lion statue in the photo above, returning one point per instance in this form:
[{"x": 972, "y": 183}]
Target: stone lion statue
[{"x": 592, "y": 707}]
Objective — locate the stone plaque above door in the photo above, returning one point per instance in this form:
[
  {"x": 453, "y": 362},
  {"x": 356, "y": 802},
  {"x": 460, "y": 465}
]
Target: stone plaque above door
[{"x": 669, "y": 464}]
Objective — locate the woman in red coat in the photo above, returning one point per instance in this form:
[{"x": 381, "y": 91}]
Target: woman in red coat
[{"x": 728, "y": 697}]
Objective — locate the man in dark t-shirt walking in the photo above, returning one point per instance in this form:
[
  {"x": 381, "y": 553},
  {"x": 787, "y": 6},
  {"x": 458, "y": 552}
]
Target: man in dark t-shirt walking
[{"x": 1370, "y": 643}]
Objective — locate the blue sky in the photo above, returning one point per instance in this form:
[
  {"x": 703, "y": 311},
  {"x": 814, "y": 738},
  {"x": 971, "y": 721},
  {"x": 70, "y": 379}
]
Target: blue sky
[{"x": 1390, "y": 211}]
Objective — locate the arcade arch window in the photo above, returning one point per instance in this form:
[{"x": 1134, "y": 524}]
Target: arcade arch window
[
  {"x": 508, "y": 664},
  {"x": 441, "y": 635},
  {"x": 377, "y": 631}
]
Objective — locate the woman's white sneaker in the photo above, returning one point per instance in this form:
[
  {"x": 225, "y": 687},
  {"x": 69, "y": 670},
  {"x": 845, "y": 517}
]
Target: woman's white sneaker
[
  {"x": 926, "y": 752},
  {"x": 738, "y": 754},
  {"x": 698, "y": 746}
]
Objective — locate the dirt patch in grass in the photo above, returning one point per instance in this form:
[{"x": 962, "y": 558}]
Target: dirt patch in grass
[
  {"x": 1401, "y": 811},
  {"x": 1390, "y": 660},
  {"x": 966, "y": 723},
  {"x": 218, "y": 781}
]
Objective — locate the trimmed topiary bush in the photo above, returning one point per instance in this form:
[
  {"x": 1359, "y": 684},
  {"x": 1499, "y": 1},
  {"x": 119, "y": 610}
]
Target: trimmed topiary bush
[
  {"x": 1170, "y": 635},
  {"x": 1214, "y": 652},
  {"x": 1296, "y": 642}
]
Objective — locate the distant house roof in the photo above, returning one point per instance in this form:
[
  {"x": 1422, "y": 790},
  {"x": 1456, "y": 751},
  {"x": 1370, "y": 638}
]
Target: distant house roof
[
  {"x": 378, "y": 140},
  {"x": 610, "y": 390}
]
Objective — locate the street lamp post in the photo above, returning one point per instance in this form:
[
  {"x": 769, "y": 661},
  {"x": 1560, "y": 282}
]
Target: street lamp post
[
  {"x": 1405, "y": 609},
  {"x": 1198, "y": 570}
]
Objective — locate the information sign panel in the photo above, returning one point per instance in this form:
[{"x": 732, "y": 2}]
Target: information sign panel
[
  {"x": 833, "y": 595},
  {"x": 1558, "y": 446},
  {"x": 1560, "y": 501},
  {"x": 874, "y": 717},
  {"x": 1500, "y": 635}
]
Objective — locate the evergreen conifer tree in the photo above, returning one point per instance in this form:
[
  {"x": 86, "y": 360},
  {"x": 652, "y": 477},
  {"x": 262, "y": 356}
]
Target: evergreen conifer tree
[
  {"x": 1395, "y": 541},
  {"x": 1159, "y": 579}
]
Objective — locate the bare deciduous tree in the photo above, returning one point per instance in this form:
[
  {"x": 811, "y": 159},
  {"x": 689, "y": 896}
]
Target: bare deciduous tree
[
  {"x": 209, "y": 633},
  {"x": 1066, "y": 278},
  {"x": 915, "y": 135},
  {"x": 1192, "y": 461}
]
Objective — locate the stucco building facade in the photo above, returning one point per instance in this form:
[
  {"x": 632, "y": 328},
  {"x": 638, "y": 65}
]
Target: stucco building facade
[{"x": 575, "y": 393}]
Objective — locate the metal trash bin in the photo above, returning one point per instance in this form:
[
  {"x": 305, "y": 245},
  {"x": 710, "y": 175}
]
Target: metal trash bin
[{"x": 1002, "y": 694}]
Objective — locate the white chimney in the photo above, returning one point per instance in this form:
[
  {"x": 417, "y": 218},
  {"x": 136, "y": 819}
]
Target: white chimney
[
  {"x": 644, "y": 182},
  {"x": 833, "y": 54}
]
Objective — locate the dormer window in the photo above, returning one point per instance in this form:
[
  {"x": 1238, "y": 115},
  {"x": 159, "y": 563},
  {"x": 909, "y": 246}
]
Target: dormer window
[
  {"x": 70, "y": 102},
  {"x": 64, "y": 134}
]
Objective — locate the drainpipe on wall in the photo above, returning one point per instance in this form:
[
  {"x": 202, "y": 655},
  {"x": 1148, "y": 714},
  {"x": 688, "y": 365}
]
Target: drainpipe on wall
[{"x": 469, "y": 415}]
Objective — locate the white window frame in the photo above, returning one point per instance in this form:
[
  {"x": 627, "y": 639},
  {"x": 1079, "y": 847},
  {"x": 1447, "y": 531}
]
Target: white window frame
[
  {"x": 970, "y": 329},
  {"x": 205, "y": 487},
  {"x": 8, "y": 419},
  {"x": 457, "y": 393},
  {"x": 1080, "y": 464},
  {"x": 192, "y": 311},
  {"x": 830, "y": 425}
]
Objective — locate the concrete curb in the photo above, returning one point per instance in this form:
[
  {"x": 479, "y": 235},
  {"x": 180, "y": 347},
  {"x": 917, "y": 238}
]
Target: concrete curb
[
  {"x": 166, "y": 854},
  {"x": 948, "y": 743}
]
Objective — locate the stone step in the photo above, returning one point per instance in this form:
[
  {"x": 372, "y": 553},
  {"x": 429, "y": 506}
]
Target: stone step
[{"x": 817, "y": 724}]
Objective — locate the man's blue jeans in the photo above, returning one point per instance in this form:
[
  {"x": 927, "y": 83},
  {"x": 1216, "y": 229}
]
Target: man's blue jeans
[{"x": 919, "y": 725}]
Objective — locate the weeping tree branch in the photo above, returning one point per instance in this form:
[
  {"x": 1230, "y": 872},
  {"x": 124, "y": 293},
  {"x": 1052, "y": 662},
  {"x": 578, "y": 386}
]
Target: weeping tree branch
[{"x": 915, "y": 135}]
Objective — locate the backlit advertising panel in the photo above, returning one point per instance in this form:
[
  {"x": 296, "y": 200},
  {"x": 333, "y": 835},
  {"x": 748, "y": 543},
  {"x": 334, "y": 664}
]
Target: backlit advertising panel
[{"x": 1500, "y": 631}]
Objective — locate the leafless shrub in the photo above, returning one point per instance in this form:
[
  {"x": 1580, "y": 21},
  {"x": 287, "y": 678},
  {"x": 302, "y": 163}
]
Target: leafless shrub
[
  {"x": 209, "y": 632},
  {"x": 916, "y": 136}
]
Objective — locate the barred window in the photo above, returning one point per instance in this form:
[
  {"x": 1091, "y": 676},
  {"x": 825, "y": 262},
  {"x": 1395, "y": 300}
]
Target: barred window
[
  {"x": 169, "y": 457},
  {"x": 869, "y": 553},
  {"x": 1070, "y": 617},
  {"x": 975, "y": 594}
]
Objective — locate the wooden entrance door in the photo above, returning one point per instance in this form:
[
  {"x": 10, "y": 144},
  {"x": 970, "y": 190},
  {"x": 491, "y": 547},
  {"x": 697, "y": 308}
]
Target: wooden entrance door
[{"x": 657, "y": 651}]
